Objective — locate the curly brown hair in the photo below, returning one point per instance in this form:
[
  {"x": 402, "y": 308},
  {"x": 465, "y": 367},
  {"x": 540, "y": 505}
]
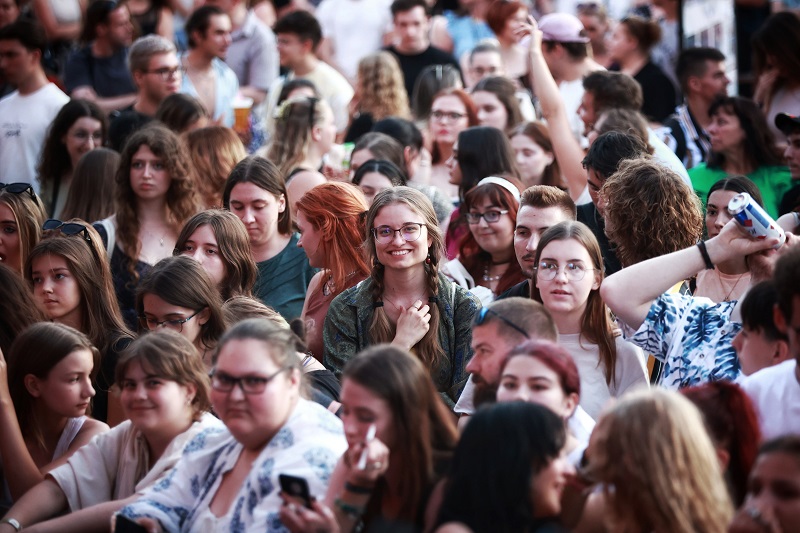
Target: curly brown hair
[
  {"x": 650, "y": 211},
  {"x": 381, "y": 88},
  {"x": 182, "y": 200}
]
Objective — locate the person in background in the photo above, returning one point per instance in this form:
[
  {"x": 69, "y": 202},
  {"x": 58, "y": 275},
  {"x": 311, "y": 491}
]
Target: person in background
[
  {"x": 503, "y": 18},
  {"x": 597, "y": 24},
  {"x": 742, "y": 144},
  {"x": 98, "y": 72},
  {"x": 298, "y": 36},
  {"x": 182, "y": 113},
  {"x": 790, "y": 127},
  {"x": 496, "y": 102},
  {"x": 432, "y": 80},
  {"x": 535, "y": 158},
  {"x": 27, "y": 112},
  {"x": 702, "y": 77},
  {"x": 352, "y": 29},
  {"x": 412, "y": 46},
  {"x": 331, "y": 226},
  {"x": 91, "y": 194},
  {"x": 218, "y": 240},
  {"x": 78, "y": 128},
  {"x": 452, "y": 112},
  {"x": 153, "y": 17},
  {"x": 760, "y": 344},
  {"x": 465, "y": 27},
  {"x": 155, "y": 70},
  {"x": 255, "y": 192},
  {"x": 21, "y": 218},
  {"x": 9, "y": 11},
  {"x": 629, "y": 46},
  {"x": 214, "y": 151},
  {"x": 207, "y": 77},
  {"x": 61, "y": 23},
  {"x": 376, "y": 175},
  {"x": 17, "y": 307}
]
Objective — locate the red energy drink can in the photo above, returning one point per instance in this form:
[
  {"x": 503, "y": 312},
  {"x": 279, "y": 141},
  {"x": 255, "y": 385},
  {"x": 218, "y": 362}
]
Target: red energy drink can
[{"x": 750, "y": 216}]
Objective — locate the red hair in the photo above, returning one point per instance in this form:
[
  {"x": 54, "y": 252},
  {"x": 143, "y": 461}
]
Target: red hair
[
  {"x": 499, "y": 13},
  {"x": 556, "y": 358},
  {"x": 732, "y": 424},
  {"x": 336, "y": 210},
  {"x": 471, "y": 255},
  {"x": 469, "y": 105}
]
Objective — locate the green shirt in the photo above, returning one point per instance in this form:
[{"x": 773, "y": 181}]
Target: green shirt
[
  {"x": 347, "y": 324},
  {"x": 282, "y": 281},
  {"x": 773, "y": 182}
]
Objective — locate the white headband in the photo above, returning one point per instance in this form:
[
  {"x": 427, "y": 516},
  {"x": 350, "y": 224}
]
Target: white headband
[{"x": 502, "y": 182}]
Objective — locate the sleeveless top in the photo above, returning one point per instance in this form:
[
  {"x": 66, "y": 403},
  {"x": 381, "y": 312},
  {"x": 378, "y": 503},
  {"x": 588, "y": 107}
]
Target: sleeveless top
[{"x": 71, "y": 430}]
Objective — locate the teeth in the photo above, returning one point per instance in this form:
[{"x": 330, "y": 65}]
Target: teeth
[{"x": 399, "y": 252}]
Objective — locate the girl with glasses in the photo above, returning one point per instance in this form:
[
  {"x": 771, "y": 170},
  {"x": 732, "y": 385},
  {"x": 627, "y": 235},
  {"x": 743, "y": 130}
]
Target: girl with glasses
[
  {"x": 567, "y": 277},
  {"x": 45, "y": 391},
  {"x": 405, "y": 301},
  {"x": 255, "y": 192},
  {"x": 178, "y": 294},
  {"x": 400, "y": 438},
  {"x": 271, "y": 429},
  {"x": 78, "y": 128},
  {"x": 21, "y": 219},
  {"x": 164, "y": 392},
  {"x": 452, "y": 111},
  {"x": 71, "y": 282},
  {"x": 486, "y": 262},
  {"x": 156, "y": 193}
]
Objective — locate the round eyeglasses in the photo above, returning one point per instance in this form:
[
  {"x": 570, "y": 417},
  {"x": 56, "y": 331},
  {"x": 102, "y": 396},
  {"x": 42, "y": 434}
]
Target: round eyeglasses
[
  {"x": 222, "y": 382},
  {"x": 176, "y": 324},
  {"x": 410, "y": 232},
  {"x": 548, "y": 270}
]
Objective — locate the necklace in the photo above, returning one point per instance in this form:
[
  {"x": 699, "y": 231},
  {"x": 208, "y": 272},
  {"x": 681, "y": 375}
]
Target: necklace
[
  {"x": 728, "y": 296},
  {"x": 328, "y": 288},
  {"x": 383, "y": 297},
  {"x": 487, "y": 277}
]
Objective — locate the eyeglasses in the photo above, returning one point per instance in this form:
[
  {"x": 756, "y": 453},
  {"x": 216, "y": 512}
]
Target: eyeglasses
[
  {"x": 67, "y": 228},
  {"x": 19, "y": 188},
  {"x": 452, "y": 116},
  {"x": 548, "y": 271},
  {"x": 83, "y": 136},
  {"x": 490, "y": 216},
  {"x": 177, "y": 325},
  {"x": 222, "y": 382},
  {"x": 485, "y": 311},
  {"x": 166, "y": 73},
  {"x": 409, "y": 232}
]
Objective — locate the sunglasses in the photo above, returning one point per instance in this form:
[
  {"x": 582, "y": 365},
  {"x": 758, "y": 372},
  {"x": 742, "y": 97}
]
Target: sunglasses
[
  {"x": 67, "y": 228},
  {"x": 485, "y": 311},
  {"x": 19, "y": 188}
]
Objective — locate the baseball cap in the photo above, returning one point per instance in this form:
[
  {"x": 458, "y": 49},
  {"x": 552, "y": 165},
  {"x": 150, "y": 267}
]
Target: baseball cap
[
  {"x": 787, "y": 123},
  {"x": 562, "y": 28}
]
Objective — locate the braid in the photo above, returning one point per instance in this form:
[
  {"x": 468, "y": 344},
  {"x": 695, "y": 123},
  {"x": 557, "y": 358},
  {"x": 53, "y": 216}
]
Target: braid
[
  {"x": 380, "y": 330},
  {"x": 428, "y": 349}
]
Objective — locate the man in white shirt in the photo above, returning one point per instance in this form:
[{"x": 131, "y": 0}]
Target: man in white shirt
[
  {"x": 352, "y": 29},
  {"x": 775, "y": 390},
  {"x": 25, "y": 114},
  {"x": 299, "y": 35}
]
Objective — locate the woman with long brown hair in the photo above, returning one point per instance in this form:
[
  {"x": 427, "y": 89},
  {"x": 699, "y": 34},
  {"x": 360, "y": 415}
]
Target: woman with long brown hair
[
  {"x": 330, "y": 219},
  {"x": 405, "y": 301}
]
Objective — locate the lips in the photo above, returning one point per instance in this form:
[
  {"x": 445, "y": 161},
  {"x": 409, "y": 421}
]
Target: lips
[{"x": 559, "y": 293}]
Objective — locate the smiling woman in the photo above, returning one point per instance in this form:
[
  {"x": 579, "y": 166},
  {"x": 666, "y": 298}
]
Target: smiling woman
[{"x": 405, "y": 301}]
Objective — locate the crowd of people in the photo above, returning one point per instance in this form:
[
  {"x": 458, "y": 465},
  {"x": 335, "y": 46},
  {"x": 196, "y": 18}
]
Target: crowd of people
[{"x": 441, "y": 266}]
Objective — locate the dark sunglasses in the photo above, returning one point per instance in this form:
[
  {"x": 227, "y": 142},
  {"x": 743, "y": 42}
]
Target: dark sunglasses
[
  {"x": 485, "y": 311},
  {"x": 67, "y": 228},
  {"x": 19, "y": 188}
]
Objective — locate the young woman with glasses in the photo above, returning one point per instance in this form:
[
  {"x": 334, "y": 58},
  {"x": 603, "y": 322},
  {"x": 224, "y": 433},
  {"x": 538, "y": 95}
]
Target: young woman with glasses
[
  {"x": 178, "y": 294},
  {"x": 567, "y": 277},
  {"x": 405, "y": 301},
  {"x": 271, "y": 430},
  {"x": 452, "y": 111},
  {"x": 71, "y": 281},
  {"x": 21, "y": 218},
  {"x": 79, "y": 127},
  {"x": 164, "y": 391},
  {"x": 486, "y": 262},
  {"x": 45, "y": 391}
]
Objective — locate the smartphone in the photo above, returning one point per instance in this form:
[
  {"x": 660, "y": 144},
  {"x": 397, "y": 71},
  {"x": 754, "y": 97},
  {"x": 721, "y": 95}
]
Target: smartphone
[
  {"x": 297, "y": 487},
  {"x": 126, "y": 525}
]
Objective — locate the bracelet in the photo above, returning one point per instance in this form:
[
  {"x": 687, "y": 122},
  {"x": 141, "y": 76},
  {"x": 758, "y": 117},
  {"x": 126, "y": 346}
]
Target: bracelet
[
  {"x": 13, "y": 522},
  {"x": 357, "y": 489},
  {"x": 704, "y": 253},
  {"x": 352, "y": 511}
]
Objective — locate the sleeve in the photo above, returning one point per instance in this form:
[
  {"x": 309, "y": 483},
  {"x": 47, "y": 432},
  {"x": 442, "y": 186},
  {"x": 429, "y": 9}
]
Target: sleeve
[
  {"x": 264, "y": 67},
  {"x": 467, "y": 305},
  {"x": 657, "y": 332},
  {"x": 631, "y": 372},
  {"x": 340, "y": 334},
  {"x": 78, "y": 71}
]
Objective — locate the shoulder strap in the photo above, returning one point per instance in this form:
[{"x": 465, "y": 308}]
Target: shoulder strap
[{"x": 110, "y": 225}]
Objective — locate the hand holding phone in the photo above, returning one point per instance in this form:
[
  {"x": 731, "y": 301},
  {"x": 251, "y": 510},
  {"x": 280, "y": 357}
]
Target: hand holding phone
[{"x": 296, "y": 487}]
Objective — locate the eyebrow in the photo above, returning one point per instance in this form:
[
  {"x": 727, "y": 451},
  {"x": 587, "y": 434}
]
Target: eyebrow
[{"x": 556, "y": 260}]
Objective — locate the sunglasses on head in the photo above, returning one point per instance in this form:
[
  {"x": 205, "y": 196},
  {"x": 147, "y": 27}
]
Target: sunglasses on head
[
  {"x": 67, "y": 228},
  {"x": 19, "y": 188},
  {"x": 485, "y": 311}
]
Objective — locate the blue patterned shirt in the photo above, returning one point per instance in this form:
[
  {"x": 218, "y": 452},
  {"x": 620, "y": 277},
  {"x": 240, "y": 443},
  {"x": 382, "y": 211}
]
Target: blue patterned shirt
[
  {"x": 692, "y": 337},
  {"x": 307, "y": 446}
]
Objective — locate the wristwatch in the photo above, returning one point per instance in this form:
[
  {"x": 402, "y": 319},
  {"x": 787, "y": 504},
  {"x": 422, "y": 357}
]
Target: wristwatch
[{"x": 13, "y": 522}]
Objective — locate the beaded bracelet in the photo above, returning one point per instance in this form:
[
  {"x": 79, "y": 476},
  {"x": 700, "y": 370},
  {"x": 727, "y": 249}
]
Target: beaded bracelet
[{"x": 352, "y": 511}]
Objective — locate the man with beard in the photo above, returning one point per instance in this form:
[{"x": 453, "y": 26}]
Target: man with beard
[{"x": 499, "y": 328}]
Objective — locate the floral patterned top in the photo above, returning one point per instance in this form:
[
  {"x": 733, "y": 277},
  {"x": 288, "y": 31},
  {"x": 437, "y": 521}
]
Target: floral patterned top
[
  {"x": 308, "y": 446},
  {"x": 692, "y": 336}
]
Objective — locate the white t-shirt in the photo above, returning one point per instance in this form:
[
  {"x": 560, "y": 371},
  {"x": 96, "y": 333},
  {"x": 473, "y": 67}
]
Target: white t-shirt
[
  {"x": 775, "y": 393},
  {"x": 572, "y": 94},
  {"x": 630, "y": 371},
  {"x": 667, "y": 157},
  {"x": 356, "y": 28},
  {"x": 24, "y": 121}
]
